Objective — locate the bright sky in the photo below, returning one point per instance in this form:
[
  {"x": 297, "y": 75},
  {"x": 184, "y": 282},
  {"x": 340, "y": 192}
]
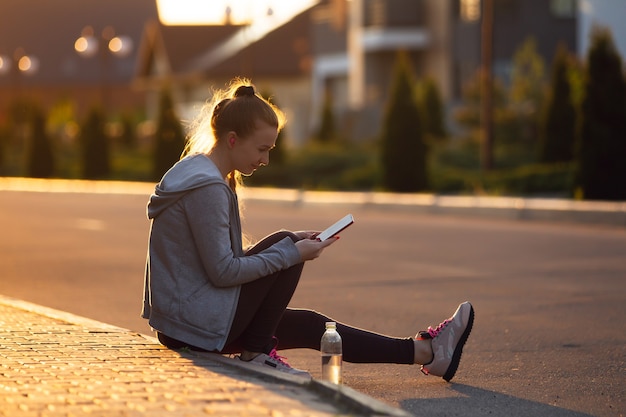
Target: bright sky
[{"x": 213, "y": 12}]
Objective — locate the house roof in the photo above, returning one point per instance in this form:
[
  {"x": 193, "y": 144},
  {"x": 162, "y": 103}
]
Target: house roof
[
  {"x": 175, "y": 46},
  {"x": 276, "y": 47},
  {"x": 282, "y": 49},
  {"x": 46, "y": 30}
]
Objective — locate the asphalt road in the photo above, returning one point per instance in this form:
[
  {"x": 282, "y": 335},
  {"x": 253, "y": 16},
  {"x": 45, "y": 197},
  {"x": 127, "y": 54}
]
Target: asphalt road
[{"x": 550, "y": 299}]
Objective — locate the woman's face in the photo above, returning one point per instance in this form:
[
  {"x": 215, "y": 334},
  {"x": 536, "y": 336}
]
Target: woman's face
[{"x": 252, "y": 152}]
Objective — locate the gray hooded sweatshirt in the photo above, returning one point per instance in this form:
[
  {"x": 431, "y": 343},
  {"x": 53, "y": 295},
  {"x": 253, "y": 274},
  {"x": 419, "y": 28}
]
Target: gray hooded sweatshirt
[{"x": 196, "y": 264}]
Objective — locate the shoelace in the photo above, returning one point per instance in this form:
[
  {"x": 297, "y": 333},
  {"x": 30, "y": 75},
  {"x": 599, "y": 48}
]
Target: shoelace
[
  {"x": 281, "y": 359},
  {"x": 434, "y": 332}
]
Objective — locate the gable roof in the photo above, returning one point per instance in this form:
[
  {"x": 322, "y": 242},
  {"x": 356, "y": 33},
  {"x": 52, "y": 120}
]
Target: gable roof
[
  {"x": 278, "y": 47},
  {"x": 282, "y": 49},
  {"x": 166, "y": 50}
]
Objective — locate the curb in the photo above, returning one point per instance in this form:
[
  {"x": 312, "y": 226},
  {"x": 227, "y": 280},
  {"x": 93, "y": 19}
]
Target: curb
[
  {"x": 354, "y": 400},
  {"x": 357, "y": 402},
  {"x": 59, "y": 315},
  {"x": 605, "y": 213}
]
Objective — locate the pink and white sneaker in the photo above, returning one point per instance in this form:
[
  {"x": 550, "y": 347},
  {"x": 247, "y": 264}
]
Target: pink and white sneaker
[
  {"x": 448, "y": 339},
  {"x": 276, "y": 362}
]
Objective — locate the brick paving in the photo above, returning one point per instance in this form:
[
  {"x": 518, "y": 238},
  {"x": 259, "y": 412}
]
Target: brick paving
[{"x": 54, "y": 366}]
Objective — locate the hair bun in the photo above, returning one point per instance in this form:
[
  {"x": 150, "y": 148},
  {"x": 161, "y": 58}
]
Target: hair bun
[
  {"x": 245, "y": 90},
  {"x": 220, "y": 106}
]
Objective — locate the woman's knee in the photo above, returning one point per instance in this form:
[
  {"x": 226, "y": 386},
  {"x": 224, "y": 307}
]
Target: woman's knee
[
  {"x": 281, "y": 234},
  {"x": 306, "y": 317},
  {"x": 270, "y": 240}
]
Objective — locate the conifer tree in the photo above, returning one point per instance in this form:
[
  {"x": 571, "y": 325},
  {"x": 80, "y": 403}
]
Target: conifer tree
[
  {"x": 128, "y": 138},
  {"x": 602, "y": 156},
  {"x": 326, "y": 132},
  {"x": 169, "y": 138},
  {"x": 528, "y": 77},
  {"x": 558, "y": 127},
  {"x": 526, "y": 97},
  {"x": 431, "y": 108},
  {"x": 96, "y": 161},
  {"x": 278, "y": 156},
  {"x": 3, "y": 140},
  {"x": 403, "y": 149},
  {"x": 40, "y": 155}
]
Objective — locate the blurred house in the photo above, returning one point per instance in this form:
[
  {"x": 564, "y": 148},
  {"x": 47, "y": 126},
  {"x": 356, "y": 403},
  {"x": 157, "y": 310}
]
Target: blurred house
[
  {"x": 347, "y": 49},
  {"x": 343, "y": 48},
  {"x": 443, "y": 39},
  {"x": 71, "y": 49},
  {"x": 190, "y": 61}
]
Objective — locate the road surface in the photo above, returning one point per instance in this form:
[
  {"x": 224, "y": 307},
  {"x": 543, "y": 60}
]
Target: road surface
[{"x": 550, "y": 299}]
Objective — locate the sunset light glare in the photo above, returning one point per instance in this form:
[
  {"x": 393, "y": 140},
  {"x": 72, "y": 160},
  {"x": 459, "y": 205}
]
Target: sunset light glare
[{"x": 218, "y": 12}]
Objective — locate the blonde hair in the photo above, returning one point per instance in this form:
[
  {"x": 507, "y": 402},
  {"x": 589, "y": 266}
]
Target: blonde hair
[{"x": 235, "y": 109}]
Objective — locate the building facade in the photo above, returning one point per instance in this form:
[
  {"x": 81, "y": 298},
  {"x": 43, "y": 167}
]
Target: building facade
[
  {"x": 342, "y": 49},
  {"x": 355, "y": 44}
]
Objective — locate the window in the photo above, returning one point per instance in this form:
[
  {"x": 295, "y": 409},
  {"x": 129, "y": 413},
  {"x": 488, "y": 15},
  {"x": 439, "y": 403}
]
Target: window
[
  {"x": 469, "y": 10},
  {"x": 563, "y": 8}
]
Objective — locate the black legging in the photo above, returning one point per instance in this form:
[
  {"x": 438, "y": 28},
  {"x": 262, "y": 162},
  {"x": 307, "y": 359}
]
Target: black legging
[{"x": 262, "y": 313}]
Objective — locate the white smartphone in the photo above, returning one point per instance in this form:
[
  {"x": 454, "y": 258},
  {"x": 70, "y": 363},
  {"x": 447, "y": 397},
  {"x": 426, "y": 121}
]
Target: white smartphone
[{"x": 336, "y": 228}]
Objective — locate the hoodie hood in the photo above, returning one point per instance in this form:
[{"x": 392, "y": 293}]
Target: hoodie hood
[{"x": 189, "y": 173}]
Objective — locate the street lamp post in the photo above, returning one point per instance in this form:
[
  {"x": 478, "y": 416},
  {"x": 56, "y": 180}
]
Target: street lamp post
[
  {"x": 18, "y": 65},
  {"x": 487, "y": 86},
  {"x": 105, "y": 45}
]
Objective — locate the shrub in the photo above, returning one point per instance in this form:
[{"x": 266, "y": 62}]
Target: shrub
[
  {"x": 537, "y": 179},
  {"x": 403, "y": 151},
  {"x": 318, "y": 166},
  {"x": 327, "y": 131},
  {"x": 558, "y": 125},
  {"x": 431, "y": 108},
  {"x": 602, "y": 173},
  {"x": 169, "y": 140},
  {"x": 40, "y": 156},
  {"x": 96, "y": 162}
]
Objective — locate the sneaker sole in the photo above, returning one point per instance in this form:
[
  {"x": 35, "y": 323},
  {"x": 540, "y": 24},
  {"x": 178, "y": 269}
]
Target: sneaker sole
[{"x": 458, "y": 351}]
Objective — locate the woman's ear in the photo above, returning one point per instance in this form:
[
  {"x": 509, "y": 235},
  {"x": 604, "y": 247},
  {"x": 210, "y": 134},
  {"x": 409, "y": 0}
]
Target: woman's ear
[{"x": 232, "y": 138}]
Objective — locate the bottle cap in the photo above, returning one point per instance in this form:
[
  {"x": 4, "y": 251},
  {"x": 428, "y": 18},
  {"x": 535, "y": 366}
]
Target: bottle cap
[{"x": 331, "y": 324}]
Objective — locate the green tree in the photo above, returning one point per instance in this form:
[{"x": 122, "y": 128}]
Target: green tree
[
  {"x": 128, "y": 137},
  {"x": 4, "y": 135},
  {"x": 96, "y": 155},
  {"x": 516, "y": 109},
  {"x": 431, "y": 107},
  {"x": 17, "y": 135},
  {"x": 327, "y": 131},
  {"x": 526, "y": 97},
  {"x": 602, "y": 156},
  {"x": 558, "y": 125},
  {"x": 468, "y": 116},
  {"x": 169, "y": 137},
  {"x": 403, "y": 149},
  {"x": 40, "y": 156},
  {"x": 278, "y": 156},
  {"x": 469, "y": 113},
  {"x": 527, "y": 77}
]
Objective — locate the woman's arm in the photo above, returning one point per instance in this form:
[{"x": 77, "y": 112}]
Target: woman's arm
[{"x": 214, "y": 222}]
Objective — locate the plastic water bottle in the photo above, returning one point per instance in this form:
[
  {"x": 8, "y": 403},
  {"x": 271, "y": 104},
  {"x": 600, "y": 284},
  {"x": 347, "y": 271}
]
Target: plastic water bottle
[{"x": 331, "y": 349}]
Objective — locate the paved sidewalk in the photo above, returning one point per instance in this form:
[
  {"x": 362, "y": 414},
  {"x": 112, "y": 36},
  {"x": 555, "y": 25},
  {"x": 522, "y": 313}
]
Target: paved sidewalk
[{"x": 56, "y": 364}]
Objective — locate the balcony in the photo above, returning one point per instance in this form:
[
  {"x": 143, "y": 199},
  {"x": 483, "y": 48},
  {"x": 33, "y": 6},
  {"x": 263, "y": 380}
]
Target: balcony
[{"x": 391, "y": 39}]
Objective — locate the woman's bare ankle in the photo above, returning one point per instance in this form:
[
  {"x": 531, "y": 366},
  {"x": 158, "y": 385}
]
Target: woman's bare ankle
[
  {"x": 423, "y": 351},
  {"x": 248, "y": 356}
]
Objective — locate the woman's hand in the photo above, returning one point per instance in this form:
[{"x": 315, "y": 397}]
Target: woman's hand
[
  {"x": 306, "y": 234},
  {"x": 311, "y": 248}
]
